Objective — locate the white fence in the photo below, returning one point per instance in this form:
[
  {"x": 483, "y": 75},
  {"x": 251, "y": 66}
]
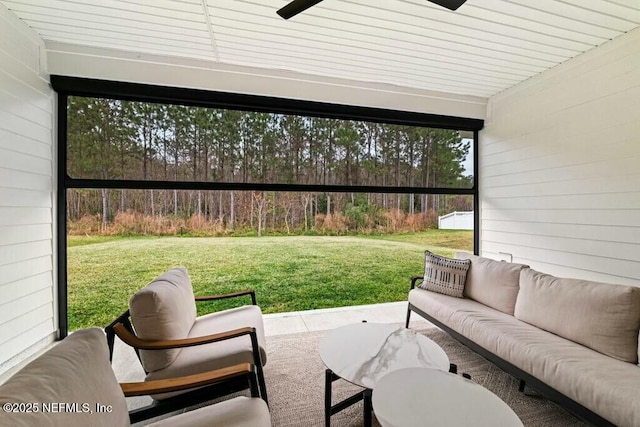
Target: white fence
[{"x": 456, "y": 221}]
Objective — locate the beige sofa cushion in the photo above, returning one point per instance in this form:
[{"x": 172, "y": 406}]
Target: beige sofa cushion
[
  {"x": 201, "y": 358},
  {"x": 603, "y": 384},
  {"x": 493, "y": 283},
  {"x": 165, "y": 309},
  {"x": 237, "y": 412},
  {"x": 75, "y": 371},
  {"x": 601, "y": 316}
]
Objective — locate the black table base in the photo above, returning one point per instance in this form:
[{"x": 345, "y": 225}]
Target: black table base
[{"x": 329, "y": 409}]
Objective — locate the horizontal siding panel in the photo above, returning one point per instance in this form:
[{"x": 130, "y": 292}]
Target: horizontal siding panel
[
  {"x": 20, "y": 270},
  {"x": 26, "y": 321},
  {"x": 576, "y": 134},
  {"x": 560, "y": 185},
  {"x": 33, "y": 13},
  {"x": 602, "y": 233},
  {"x": 15, "y": 45},
  {"x": 24, "y": 198},
  {"x": 11, "y": 104},
  {"x": 14, "y": 234},
  {"x": 26, "y": 286},
  {"x": 536, "y": 196},
  {"x": 563, "y": 151},
  {"x": 25, "y": 162},
  {"x": 576, "y": 245},
  {"x": 26, "y": 339},
  {"x": 25, "y": 216},
  {"x": 25, "y": 180},
  {"x": 23, "y": 73},
  {"x": 26, "y": 192},
  {"x": 137, "y": 12},
  {"x": 559, "y": 270},
  {"x": 135, "y": 46},
  {"x": 576, "y": 131},
  {"x": 423, "y": 58},
  {"x": 71, "y": 18},
  {"x": 37, "y": 323},
  {"x": 603, "y": 82},
  {"x": 24, "y": 251},
  {"x": 24, "y": 93},
  {"x": 19, "y": 125},
  {"x": 563, "y": 75},
  {"x": 390, "y": 56},
  {"x": 592, "y": 116},
  {"x": 593, "y": 177},
  {"x": 26, "y": 303},
  {"x": 606, "y": 269},
  {"x": 122, "y": 33},
  {"x": 595, "y": 216},
  {"x": 23, "y": 144}
]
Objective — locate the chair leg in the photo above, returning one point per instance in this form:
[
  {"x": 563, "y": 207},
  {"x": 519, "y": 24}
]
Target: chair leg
[
  {"x": 408, "y": 317},
  {"x": 253, "y": 383},
  {"x": 111, "y": 337},
  {"x": 258, "y": 364}
]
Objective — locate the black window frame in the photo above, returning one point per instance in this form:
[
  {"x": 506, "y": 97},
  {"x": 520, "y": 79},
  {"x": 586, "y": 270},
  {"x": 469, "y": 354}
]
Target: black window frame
[{"x": 66, "y": 86}]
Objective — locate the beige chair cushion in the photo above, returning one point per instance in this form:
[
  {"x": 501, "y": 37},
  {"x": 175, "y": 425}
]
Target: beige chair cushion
[
  {"x": 605, "y": 385},
  {"x": 237, "y": 412},
  {"x": 201, "y": 358},
  {"x": 76, "y": 370},
  {"x": 444, "y": 275},
  {"x": 601, "y": 316},
  {"x": 165, "y": 309},
  {"x": 493, "y": 283}
]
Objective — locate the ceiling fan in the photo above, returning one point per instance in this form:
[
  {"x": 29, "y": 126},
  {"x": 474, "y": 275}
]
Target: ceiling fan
[{"x": 297, "y": 6}]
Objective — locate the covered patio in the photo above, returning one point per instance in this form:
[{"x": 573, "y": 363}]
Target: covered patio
[{"x": 554, "y": 87}]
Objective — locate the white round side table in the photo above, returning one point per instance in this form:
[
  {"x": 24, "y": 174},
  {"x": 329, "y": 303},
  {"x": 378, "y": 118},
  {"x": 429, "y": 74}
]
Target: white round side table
[
  {"x": 415, "y": 397},
  {"x": 362, "y": 353}
]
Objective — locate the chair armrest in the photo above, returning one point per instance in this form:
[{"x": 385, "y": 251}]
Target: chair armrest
[
  {"x": 414, "y": 279},
  {"x": 132, "y": 340},
  {"x": 230, "y": 295},
  {"x": 186, "y": 382}
]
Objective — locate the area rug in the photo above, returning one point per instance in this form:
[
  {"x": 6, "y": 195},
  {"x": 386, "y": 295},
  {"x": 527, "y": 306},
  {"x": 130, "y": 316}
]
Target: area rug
[{"x": 295, "y": 383}]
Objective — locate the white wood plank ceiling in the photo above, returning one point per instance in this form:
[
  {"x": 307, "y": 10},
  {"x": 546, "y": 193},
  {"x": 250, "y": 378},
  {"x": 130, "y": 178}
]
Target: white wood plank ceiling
[{"x": 481, "y": 49}]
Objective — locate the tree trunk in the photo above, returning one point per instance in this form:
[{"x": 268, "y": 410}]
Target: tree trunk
[
  {"x": 105, "y": 207},
  {"x": 232, "y": 212}
]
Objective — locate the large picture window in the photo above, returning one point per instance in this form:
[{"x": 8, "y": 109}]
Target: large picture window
[{"x": 140, "y": 160}]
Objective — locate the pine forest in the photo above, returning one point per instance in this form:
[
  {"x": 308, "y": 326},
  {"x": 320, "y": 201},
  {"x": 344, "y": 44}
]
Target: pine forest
[{"x": 124, "y": 140}]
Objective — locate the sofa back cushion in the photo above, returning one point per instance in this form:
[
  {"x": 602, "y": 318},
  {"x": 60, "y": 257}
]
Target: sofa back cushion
[
  {"x": 492, "y": 283},
  {"x": 72, "y": 379},
  {"x": 165, "y": 309},
  {"x": 603, "y": 317}
]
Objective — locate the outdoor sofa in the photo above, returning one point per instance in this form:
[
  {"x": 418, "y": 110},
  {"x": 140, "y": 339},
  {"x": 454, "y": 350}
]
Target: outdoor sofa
[{"x": 575, "y": 341}]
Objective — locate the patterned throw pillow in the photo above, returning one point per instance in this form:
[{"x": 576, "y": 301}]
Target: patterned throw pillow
[{"x": 444, "y": 275}]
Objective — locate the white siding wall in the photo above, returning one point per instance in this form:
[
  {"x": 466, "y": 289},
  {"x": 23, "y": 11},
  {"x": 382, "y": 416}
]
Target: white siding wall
[
  {"x": 560, "y": 158},
  {"x": 26, "y": 194}
]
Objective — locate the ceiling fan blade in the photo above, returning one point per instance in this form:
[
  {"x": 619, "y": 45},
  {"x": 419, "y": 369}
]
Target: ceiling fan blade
[
  {"x": 295, "y": 7},
  {"x": 449, "y": 4}
]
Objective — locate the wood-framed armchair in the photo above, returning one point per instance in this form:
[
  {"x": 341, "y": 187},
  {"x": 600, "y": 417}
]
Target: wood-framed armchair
[
  {"x": 170, "y": 341},
  {"x": 76, "y": 375}
]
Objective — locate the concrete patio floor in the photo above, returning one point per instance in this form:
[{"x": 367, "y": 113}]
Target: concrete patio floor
[{"x": 331, "y": 318}]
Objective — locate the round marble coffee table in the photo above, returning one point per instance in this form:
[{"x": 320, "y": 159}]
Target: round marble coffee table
[
  {"x": 415, "y": 396},
  {"x": 363, "y": 353}
]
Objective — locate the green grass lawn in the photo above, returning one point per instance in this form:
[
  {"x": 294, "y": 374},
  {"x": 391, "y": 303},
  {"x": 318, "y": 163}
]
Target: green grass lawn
[{"x": 289, "y": 273}]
